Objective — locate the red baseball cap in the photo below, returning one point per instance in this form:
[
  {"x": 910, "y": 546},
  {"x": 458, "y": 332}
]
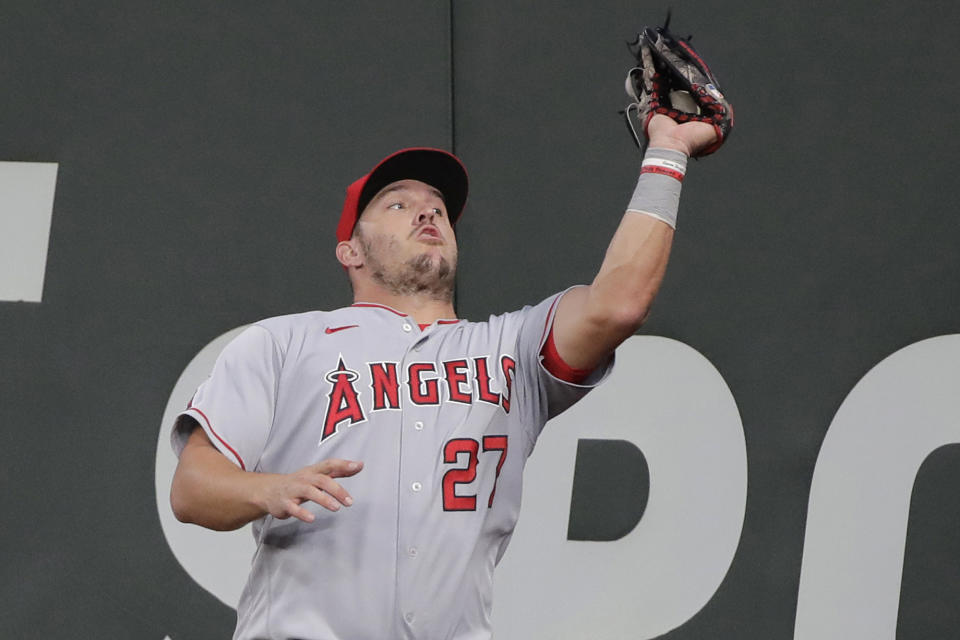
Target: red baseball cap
[{"x": 435, "y": 167}]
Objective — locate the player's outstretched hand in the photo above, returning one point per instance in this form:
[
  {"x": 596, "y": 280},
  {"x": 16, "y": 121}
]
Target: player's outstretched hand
[
  {"x": 690, "y": 137},
  {"x": 285, "y": 494}
]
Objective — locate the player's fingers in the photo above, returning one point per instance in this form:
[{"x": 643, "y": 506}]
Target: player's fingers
[
  {"x": 298, "y": 512},
  {"x": 337, "y": 468},
  {"x": 332, "y": 487},
  {"x": 323, "y": 499}
]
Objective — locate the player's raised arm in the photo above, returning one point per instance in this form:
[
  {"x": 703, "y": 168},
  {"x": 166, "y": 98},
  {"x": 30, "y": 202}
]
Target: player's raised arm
[
  {"x": 683, "y": 115},
  {"x": 212, "y": 492},
  {"x": 591, "y": 321}
]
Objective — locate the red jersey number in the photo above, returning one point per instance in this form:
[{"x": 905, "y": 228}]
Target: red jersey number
[{"x": 465, "y": 452}]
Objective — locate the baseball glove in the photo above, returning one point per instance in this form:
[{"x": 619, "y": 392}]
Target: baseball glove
[{"x": 671, "y": 78}]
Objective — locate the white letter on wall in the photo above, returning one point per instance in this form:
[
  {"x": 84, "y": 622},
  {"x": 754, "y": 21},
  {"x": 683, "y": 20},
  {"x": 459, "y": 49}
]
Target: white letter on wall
[
  {"x": 26, "y": 207},
  {"x": 675, "y": 406},
  {"x": 901, "y": 411}
]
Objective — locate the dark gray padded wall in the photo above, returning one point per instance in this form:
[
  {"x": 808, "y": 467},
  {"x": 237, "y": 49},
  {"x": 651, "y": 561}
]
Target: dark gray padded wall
[{"x": 203, "y": 153}]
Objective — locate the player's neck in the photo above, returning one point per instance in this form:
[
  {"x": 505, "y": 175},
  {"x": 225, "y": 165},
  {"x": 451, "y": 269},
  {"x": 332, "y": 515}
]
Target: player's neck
[{"x": 424, "y": 309}]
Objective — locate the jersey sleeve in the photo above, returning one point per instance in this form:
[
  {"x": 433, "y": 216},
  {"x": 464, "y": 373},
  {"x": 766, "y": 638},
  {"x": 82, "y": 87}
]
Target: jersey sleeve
[
  {"x": 548, "y": 395},
  {"x": 235, "y": 405}
]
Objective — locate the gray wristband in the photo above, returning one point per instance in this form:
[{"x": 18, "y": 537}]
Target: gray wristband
[{"x": 658, "y": 188}]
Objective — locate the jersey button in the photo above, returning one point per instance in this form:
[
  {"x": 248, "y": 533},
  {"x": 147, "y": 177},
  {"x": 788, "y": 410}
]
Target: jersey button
[
  {"x": 407, "y": 327},
  {"x": 416, "y": 486},
  {"x": 412, "y": 552},
  {"x": 418, "y": 425},
  {"x": 409, "y": 618}
]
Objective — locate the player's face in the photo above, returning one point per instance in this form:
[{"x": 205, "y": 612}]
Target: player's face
[{"x": 407, "y": 240}]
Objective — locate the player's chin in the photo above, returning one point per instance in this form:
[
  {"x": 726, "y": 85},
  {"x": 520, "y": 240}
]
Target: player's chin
[
  {"x": 437, "y": 252},
  {"x": 435, "y": 262}
]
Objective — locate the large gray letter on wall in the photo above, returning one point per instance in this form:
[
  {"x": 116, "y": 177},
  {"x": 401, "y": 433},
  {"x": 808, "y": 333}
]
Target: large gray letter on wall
[
  {"x": 676, "y": 408},
  {"x": 26, "y": 206},
  {"x": 901, "y": 411}
]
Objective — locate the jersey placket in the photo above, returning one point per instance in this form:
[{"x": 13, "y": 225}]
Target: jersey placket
[{"x": 416, "y": 469}]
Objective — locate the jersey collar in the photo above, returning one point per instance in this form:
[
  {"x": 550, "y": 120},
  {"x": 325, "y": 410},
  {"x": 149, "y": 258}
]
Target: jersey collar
[
  {"x": 374, "y": 305},
  {"x": 378, "y": 306}
]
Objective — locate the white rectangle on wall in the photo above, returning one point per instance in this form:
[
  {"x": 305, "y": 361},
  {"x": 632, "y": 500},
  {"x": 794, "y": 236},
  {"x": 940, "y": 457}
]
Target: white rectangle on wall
[{"x": 26, "y": 207}]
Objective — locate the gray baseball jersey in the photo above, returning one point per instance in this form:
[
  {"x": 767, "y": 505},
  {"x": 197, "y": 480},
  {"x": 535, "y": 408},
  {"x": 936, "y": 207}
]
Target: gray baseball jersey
[{"x": 443, "y": 419}]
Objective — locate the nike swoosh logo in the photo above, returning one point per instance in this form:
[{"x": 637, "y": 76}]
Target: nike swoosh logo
[{"x": 335, "y": 329}]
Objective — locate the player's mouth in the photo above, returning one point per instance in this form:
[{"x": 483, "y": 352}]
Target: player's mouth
[{"x": 430, "y": 233}]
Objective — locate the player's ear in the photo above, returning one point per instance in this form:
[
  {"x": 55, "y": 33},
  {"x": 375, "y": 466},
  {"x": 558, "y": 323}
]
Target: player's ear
[{"x": 349, "y": 254}]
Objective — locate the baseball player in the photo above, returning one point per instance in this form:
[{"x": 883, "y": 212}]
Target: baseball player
[{"x": 378, "y": 449}]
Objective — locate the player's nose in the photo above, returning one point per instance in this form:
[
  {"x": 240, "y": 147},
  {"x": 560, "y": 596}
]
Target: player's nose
[{"x": 426, "y": 214}]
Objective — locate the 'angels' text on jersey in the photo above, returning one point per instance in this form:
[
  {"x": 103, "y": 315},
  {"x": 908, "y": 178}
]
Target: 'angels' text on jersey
[{"x": 462, "y": 380}]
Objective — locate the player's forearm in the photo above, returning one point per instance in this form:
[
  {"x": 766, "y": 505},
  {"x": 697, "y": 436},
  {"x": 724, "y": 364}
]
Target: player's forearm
[
  {"x": 208, "y": 490},
  {"x": 632, "y": 271},
  {"x": 636, "y": 259},
  {"x": 592, "y": 321}
]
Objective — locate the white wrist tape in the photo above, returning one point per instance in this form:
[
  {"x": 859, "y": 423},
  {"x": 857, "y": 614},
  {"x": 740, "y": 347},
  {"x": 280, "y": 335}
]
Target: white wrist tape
[{"x": 658, "y": 188}]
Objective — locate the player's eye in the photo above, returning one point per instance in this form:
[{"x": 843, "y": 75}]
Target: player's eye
[
  {"x": 438, "y": 211},
  {"x": 397, "y": 205}
]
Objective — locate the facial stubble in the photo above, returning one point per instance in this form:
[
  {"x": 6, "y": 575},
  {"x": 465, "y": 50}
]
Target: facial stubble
[{"x": 415, "y": 276}]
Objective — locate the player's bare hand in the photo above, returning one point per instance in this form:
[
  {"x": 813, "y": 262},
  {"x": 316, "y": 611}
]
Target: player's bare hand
[
  {"x": 690, "y": 137},
  {"x": 285, "y": 494}
]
